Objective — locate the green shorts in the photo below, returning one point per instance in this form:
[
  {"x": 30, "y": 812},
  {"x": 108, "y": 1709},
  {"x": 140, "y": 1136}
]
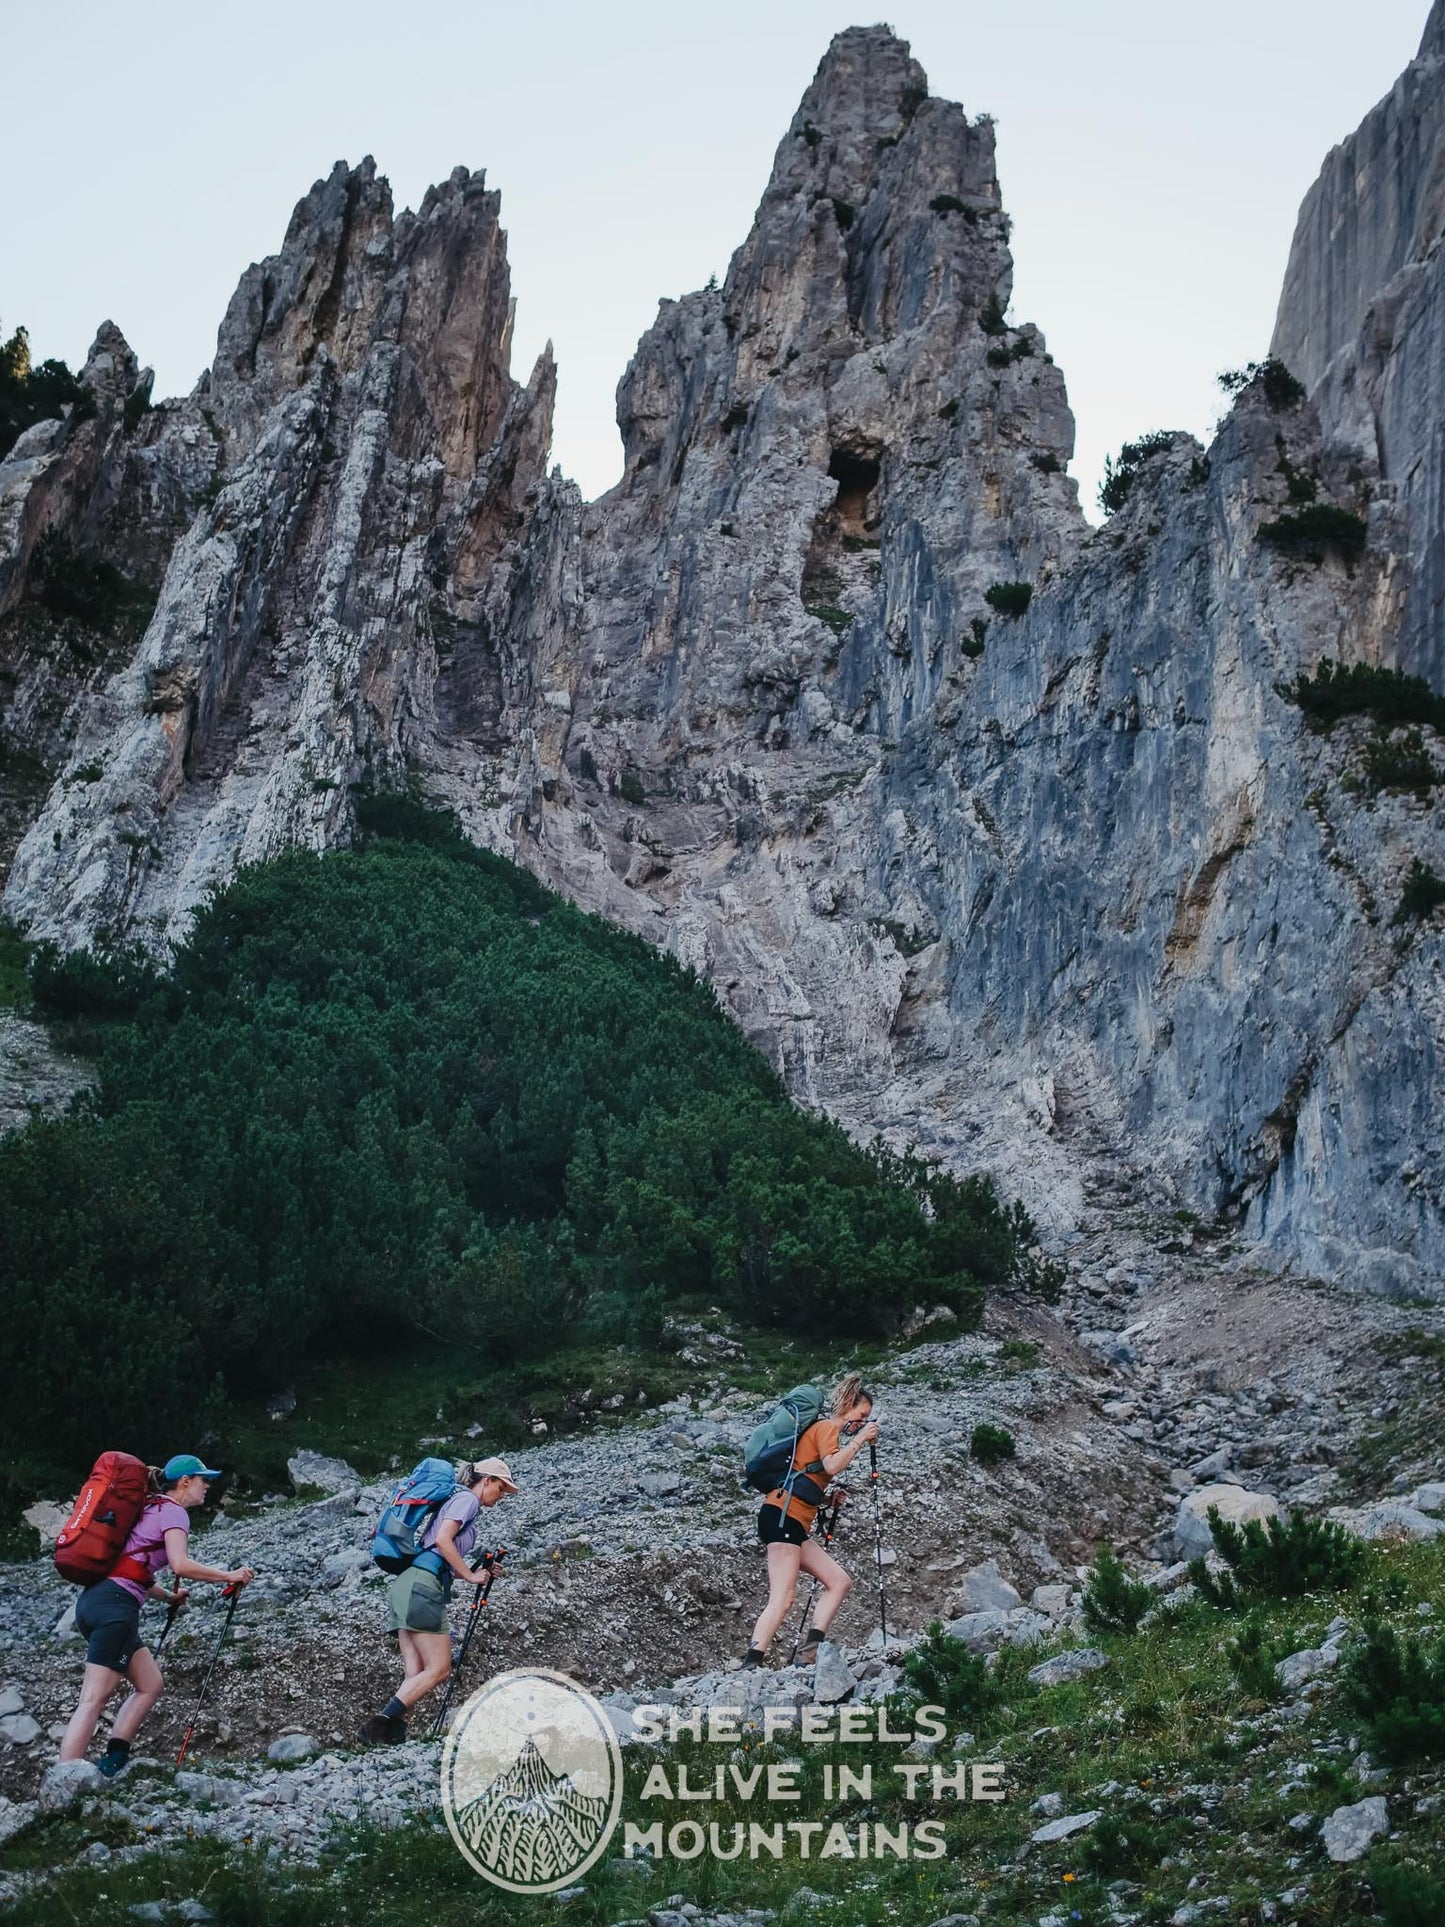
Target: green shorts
[{"x": 416, "y": 1602}]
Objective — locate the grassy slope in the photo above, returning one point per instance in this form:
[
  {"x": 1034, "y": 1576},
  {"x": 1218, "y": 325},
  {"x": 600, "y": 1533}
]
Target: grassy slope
[{"x": 1163, "y": 1738}]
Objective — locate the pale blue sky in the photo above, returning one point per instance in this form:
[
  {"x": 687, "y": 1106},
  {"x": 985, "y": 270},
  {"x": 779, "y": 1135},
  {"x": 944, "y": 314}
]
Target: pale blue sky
[{"x": 1152, "y": 155}]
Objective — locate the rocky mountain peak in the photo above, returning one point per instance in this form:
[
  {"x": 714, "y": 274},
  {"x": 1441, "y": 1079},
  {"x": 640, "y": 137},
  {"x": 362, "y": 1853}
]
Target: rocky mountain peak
[{"x": 999, "y": 836}]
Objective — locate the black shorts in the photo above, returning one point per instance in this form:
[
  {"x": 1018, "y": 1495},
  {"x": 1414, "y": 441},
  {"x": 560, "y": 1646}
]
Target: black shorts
[
  {"x": 109, "y": 1616},
  {"x": 775, "y": 1528}
]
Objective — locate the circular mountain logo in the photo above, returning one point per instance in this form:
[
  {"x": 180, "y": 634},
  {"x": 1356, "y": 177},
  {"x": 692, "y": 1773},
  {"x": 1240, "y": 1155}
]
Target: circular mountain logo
[{"x": 531, "y": 1781}]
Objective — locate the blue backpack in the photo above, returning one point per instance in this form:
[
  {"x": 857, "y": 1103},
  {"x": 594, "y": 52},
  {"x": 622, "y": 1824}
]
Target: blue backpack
[
  {"x": 409, "y": 1511},
  {"x": 768, "y": 1456}
]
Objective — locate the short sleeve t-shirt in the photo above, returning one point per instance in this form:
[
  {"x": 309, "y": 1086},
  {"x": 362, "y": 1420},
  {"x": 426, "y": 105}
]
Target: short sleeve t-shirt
[
  {"x": 819, "y": 1442},
  {"x": 147, "y": 1541},
  {"x": 462, "y": 1506}
]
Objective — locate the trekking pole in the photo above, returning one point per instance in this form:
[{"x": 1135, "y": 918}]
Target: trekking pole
[
  {"x": 479, "y": 1599},
  {"x": 233, "y": 1593},
  {"x": 830, "y": 1526},
  {"x": 878, "y": 1536},
  {"x": 172, "y": 1613}
]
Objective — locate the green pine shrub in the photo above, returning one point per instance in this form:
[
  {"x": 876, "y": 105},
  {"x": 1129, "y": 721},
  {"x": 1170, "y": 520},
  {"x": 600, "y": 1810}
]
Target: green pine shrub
[
  {"x": 991, "y": 1444},
  {"x": 1113, "y": 1602},
  {"x": 1422, "y": 894},
  {"x": 1281, "y": 388},
  {"x": 1128, "y": 1846},
  {"x": 31, "y": 392},
  {"x": 991, "y": 316},
  {"x": 1395, "y": 1689},
  {"x": 1272, "y": 1559},
  {"x": 405, "y": 1088},
  {"x": 1315, "y": 530},
  {"x": 1252, "y": 1661},
  {"x": 941, "y": 1671},
  {"x": 72, "y": 582},
  {"x": 1407, "y": 1893},
  {"x": 1336, "y": 690},
  {"x": 1120, "y": 475},
  {"x": 1009, "y": 598},
  {"x": 1400, "y": 762}
]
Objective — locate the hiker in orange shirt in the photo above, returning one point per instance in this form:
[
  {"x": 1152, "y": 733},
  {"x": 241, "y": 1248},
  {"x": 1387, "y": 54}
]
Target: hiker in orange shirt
[{"x": 827, "y": 1448}]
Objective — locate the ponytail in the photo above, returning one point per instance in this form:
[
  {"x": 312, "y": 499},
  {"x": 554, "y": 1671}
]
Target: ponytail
[
  {"x": 155, "y": 1482},
  {"x": 848, "y": 1392}
]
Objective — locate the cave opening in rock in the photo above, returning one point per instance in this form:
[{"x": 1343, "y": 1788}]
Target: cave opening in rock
[{"x": 857, "y": 476}]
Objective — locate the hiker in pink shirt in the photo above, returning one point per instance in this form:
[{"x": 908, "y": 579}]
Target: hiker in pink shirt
[{"x": 108, "y": 1613}]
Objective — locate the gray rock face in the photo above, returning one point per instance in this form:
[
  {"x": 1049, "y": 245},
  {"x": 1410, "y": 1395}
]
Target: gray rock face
[
  {"x": 1362, "y": 322},
  {"x": 1020, "y": 889}
]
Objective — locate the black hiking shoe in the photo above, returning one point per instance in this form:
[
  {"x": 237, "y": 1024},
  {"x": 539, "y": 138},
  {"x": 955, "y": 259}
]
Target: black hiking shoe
[
  {"x": 381, "y": 1731},
  {"x": 752, "y": 1657},
  {"x": 808, "y": 1648}
]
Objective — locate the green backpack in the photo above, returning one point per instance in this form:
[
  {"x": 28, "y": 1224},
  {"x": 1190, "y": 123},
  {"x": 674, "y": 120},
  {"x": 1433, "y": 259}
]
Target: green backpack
[{"x": 768, "y": 1459}]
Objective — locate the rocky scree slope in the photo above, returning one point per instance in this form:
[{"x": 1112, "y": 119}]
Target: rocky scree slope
[{"x": 1031, "y": 890}]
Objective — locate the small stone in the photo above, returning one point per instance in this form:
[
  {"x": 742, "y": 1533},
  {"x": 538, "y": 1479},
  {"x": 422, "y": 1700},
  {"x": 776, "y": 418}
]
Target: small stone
[
  {"x": 336, "y": 1570},
  {"x": 14, "y": 1814},
  {"x": 985, "y": 1632},
  {"x": 1293, "y": 1672},
  {"x": 1049, "y": 1805},
  {"x": 1052, "y": 1601},
  {"x": 1065, "y": 1828},
  {"x": 10, "y": 1701},
  {"x": 983, "y": 1588},
  {"x": 293, "y": 1746},
  {"x": 316, "y": 1469},
  {"x": 1351, "y": 1831},
  {"x": 832, "y": 1680},
  {"x": 1066, "y": 1666},
  {"x": 19, "y": 1729},
  {"x": 64, "y": 1782},
  {"x": 1236, "y": 1505}
]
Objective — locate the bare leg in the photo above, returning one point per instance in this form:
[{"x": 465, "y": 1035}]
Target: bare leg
[
  {"x": 412, "y": 1661},
  {"x": 146, "y": 1688},
  {"x": 836, "y": 1584},
  {"x": 99, "y": 1683},
  {"x": 782, "y": 1583},
  {"x": 434, "y": 1651}
]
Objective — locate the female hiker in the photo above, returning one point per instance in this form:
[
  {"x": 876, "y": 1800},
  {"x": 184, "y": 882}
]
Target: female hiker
[
  {"x": 827, "y": 1448},
  {"x": 416, "y": 1600},
  {"x": 108, "y": 1613}
]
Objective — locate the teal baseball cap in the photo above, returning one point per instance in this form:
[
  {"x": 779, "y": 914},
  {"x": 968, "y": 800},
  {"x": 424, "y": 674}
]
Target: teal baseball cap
[{"x": 185, "y": 1465}]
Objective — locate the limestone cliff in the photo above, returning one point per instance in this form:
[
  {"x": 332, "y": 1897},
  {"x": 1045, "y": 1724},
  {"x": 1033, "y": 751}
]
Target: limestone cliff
[
  {"x": 1047, "y": 892},
  {"x": 1362, "y": 322}
]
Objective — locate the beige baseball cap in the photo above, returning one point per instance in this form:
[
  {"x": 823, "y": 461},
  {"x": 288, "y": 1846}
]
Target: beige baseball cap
[{"x": 492, "y": 1469}]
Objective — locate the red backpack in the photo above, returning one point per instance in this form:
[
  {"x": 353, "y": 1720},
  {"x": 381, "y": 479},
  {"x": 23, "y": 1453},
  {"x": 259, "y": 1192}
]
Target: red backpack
[{"x": 93, "y": 1537}]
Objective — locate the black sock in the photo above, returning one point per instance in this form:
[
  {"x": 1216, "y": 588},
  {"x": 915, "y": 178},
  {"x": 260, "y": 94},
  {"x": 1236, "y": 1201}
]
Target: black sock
[
  {"x": 120, "y": 1748},
  {"x": 393, "y": 1710}
]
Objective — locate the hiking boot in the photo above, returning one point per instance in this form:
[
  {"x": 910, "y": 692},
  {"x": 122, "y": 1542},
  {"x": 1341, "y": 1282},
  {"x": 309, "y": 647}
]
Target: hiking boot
[
  {"x": 808, "y": 1647},
  {"x": 111, "y": 1764},
  {"x": 381, "y": 1731},
  {"x": 752, "y": 1657}
]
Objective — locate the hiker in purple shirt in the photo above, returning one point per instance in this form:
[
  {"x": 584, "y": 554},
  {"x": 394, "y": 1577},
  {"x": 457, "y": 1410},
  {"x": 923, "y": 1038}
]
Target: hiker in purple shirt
[{"x": 108, "y": 1614}]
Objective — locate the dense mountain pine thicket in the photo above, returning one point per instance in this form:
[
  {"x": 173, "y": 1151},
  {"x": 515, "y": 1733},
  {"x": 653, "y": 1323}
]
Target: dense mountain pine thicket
[{"x": 405, "y": 1088}]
